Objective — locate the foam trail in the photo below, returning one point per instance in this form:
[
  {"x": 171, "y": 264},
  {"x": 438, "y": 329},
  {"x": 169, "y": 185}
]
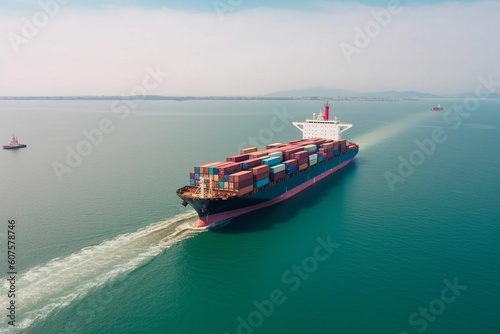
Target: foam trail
[
  {"x": 380, "y": 134},
  {"x": 48, "y": 287}
]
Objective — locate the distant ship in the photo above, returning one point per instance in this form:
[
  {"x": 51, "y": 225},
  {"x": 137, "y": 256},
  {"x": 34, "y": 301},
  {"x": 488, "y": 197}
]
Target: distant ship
[
  {"x": 14, "y": 143},
  {"x": 255, "y": 179},
  {"x": 438, "y": 108}
]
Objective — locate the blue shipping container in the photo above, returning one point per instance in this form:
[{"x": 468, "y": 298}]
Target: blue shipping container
[
  {"x": 221, "y": 184},
  {"x": 271, "y": 161},
  {"x": 320, "y": 158},
  {"x": 336, "y": 152},
  {"x": 197, "y": 170},
  {"x": 196, "y": 176},
  {"x": 292, "y": 170},
  {"x": 226, "y": 177},
  {"x": 191, "y": 182},
  {"x": 261, "y": 183}
]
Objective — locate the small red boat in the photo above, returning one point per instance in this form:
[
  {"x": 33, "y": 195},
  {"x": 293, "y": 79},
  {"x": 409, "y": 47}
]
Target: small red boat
[{"x": 14, "y": 143}]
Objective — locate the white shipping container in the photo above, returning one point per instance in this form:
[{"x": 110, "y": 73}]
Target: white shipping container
[
  {"x": 277, "y": 168},
  {"x": 276, "y": 154},
  {"x": 313, "y": 157}
]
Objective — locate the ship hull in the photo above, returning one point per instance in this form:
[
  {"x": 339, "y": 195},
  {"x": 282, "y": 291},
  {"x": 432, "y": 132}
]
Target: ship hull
[
  {"x": 214, "y": 212},
  {"x": 8, "y": 147}
]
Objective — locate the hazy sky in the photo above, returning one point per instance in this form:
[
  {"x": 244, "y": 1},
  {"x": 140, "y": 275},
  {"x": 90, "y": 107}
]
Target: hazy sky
[{"x": 245, "y": 47}]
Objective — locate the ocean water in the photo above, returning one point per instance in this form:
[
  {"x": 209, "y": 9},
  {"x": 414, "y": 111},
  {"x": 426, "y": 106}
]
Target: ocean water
[{"x": 403, "y": 240}]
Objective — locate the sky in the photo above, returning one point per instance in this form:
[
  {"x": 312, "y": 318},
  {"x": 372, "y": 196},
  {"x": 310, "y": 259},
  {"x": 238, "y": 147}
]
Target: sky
[{"x": 244, "y": 47}]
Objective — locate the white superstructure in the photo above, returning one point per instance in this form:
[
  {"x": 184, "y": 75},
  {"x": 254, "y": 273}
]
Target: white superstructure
[{"x": 322, "y": 127}]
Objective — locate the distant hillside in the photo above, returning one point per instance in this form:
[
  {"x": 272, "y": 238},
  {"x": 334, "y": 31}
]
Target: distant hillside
[
  {"x": 491, "y": 96},
  {"x": 333, "y": 92},
  {"x": 313, "y": 91}
]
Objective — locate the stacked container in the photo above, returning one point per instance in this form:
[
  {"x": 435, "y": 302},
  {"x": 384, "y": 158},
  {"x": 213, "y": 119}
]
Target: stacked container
[
  {"x": 248, "y": 150},
  {"x": 343, "y": 146},
  {"x": 238, "y": 158},
  {"x": 311, "y": 148},
  {"x": 291, "y": 166},
  {"x": 277, "y": 172},
  {"x": 313, "y": 159},
  {"x": 242, "y": 182},
  {"x": 260, "y": 175},
  {"x": 247, "y": 164},
  {"x": 271, "y": 161}
]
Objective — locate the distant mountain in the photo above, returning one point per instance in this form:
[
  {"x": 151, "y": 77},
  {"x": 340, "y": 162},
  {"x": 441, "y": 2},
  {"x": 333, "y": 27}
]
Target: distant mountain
[
  {"x": 464, "y": 95},
  {"x": 313, "y": 91},
  {"x": 332, "y": 92}
]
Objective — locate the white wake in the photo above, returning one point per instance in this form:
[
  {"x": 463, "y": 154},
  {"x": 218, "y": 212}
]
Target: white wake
[{"x": 48, "y": 287}]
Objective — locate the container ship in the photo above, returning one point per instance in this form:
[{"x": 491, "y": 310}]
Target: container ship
[{"x": 255, "y": 179}]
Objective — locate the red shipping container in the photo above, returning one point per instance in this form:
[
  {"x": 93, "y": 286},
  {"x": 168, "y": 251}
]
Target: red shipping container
[
  {"x": 243, "y": 184},
  {"x": 229, "y": 168},
  {"x": 291, "y": 163},
  {"x": 248, "y": 150},
  {"x": 240, "y": 176},
  {"x": 257, "y": 154},
  {"x": 259, "y": 177},
  {"x": 262, "y": 169},
  {"x": 238, "y": 158},
  {"x": 277, "y": 176},
  {"x": 251, "y": 163},
  {"x": 245, "y": 190}
]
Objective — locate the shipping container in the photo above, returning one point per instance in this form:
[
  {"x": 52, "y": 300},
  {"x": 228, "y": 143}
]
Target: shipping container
[
  {"x": 320, "y": 158},
  {"x": 273, "y": 145},
  {"x": 257, "y": 154},
  {"x": 303, "y": 166},
  {"x": 313, "y": 162},
  {"x": 238, "y": 158},
  {"x": 276, "y": 154},
  {"x": 259, "y": 177},
  {"x": 261, "y": 183},
  {"x": 243, "y": 184},
  {"x": 299, "y": 155},
  {"x": 247, "y": 164},
  {"x": 271, "y": 161},
  {"x": 240, "y": 176},
  {"x": 311, "y": 148},
  {"x": 277, "y": 176},
  {"x": 246, "y": 190},
  {"x": 277, "y": 168},
  {"x": 290, "y": 163},
  {"x": 229, "y": 168},
  {"x": 292, "y": 170},
  {"x": 248, "y": 150},
  {"x": 336, "y": 152},
  {"x": 260, "y": 169}
]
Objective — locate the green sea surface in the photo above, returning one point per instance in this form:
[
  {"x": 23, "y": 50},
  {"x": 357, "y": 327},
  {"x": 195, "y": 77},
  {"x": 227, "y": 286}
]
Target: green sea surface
[{"x": 403, "y": 240}]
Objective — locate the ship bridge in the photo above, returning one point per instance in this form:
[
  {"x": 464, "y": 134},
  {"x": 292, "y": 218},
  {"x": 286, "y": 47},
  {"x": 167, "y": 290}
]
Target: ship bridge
[{"x": 321, "y": 126}]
